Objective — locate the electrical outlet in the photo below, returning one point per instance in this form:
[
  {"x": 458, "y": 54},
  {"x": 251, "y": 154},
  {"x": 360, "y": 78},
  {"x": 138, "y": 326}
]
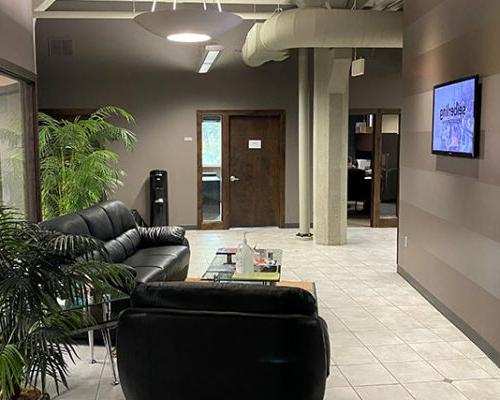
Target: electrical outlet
[{"x": 406, "y": 241}]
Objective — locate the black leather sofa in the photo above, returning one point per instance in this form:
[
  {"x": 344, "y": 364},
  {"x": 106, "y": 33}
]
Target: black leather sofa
[
  {"x": 213, "y": 341},
  {"x": 156, "y": 254}
]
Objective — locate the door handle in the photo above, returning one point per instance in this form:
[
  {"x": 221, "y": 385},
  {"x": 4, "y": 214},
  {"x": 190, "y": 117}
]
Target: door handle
[{"x": 232, "y": 178}]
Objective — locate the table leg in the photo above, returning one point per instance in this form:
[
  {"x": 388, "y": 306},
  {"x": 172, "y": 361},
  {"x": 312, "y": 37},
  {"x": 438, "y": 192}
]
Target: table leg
[
  {"x": 106, "y": 335},
  {"x": 91, "y": 347}
]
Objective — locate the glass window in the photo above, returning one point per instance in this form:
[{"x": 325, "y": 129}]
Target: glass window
[
  {"x": 389, "y": 166},
  {"x": 211, "y": 133},
  {"x": 12, "y": 153},
  {"x": 212, "y": 141}
]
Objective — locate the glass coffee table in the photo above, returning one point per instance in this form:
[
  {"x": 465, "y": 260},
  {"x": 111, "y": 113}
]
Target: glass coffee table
[{"x": 223, "y": 268}]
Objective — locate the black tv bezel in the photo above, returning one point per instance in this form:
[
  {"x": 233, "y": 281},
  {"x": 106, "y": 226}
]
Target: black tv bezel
[{"x": 477, "y": 117}]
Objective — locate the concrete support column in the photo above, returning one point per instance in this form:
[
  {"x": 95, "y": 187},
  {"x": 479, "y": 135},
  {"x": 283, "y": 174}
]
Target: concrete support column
[
  {"x": 331, "y": 116},
  {"x": 304, "y": 146}
]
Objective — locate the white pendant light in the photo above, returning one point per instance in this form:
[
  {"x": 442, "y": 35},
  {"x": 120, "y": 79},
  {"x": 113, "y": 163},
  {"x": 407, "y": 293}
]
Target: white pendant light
[{"x": 190, "y": 25}]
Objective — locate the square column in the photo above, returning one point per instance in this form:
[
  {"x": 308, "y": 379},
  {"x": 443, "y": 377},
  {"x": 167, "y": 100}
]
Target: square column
[{"x": 331, "y": 117}]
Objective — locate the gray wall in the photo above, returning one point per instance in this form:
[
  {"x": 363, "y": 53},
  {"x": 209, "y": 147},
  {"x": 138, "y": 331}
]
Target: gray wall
[
  {"x": 119, "y": 63},
  {"x": 449, "y": 207},
  {"x": 16, "y": 32},
  {"x": 164, "y": 100},
  {"x": 381, "y": 86}
]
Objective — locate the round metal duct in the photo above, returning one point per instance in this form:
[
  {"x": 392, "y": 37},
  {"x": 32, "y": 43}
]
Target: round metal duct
[{"x": 194, "y": 25}]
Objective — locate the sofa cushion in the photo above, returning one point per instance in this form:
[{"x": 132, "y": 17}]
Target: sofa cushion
[
  {"x": 140, "y": 259},
  {"x": 130, "y": 241},
  {"x": 98, "y": 222},
  {"x": 182, "y": 253},
  {"x": 225, "y": 297},
  {"x": 162, "y": 235},
  {"x": 72, "y": 224},
  {"x": 120, "y": 216},
  {"x": 149, "y": 274},
  {"x": 115, "y": 250}
]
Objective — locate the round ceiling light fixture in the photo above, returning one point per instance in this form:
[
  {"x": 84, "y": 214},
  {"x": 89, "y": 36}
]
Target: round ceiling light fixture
[
  {"x": 190, "y": 25},
  {"x": 187, "y": 37}
]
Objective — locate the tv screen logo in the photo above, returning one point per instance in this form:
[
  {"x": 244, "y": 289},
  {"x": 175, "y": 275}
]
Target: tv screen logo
[{"x": 452, "y": 112}]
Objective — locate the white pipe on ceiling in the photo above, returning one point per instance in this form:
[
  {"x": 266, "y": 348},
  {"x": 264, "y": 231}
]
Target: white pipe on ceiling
[{"x": 320, "y": 28}]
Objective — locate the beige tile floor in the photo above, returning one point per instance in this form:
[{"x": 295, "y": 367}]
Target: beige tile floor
[{"x": 388, "y": 342}]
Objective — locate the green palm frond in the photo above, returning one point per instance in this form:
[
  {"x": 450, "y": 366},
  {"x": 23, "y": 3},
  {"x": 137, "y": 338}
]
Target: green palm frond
[
  {"x": 77, "y": 169},
  {"x": 11, "y": 370}
]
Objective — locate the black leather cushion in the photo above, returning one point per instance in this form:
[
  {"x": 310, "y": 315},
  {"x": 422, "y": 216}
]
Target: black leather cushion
[
  {"x": 116, "y": 251},
  {"x": 140, "y": 259},
  {"x": 98, "y": 222},
  {"x": 162, "y": 235},
  {"x": 72, "y": 224},
  {"x": 241, "y": 298},
  {"x": 130, "y": 241},
  {"x": 120, "y": 216},
  {"x": 182, "y": 253},
  {"x": 149, "y": 274}
]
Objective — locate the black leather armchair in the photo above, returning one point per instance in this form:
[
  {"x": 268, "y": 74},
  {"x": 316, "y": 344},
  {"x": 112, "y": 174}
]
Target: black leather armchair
[
  {"x": 209, "y": 341},
  {"x": 155, "y": 254}
]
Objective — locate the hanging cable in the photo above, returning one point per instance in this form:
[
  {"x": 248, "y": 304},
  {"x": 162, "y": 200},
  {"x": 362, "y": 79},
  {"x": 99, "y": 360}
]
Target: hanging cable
[
  {"x": 354, "y": 7},
  {"x": 175, "y": 5},
  {"x": 219, "y": 6},
  {"x": 153, "y": 7},
  {"x": 205, "y": 5}
]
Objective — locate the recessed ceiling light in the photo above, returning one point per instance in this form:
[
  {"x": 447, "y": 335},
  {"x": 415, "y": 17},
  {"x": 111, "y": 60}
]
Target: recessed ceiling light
[
  {"x": 210, "y": 55},
  {"x": 187, "y": 37}
]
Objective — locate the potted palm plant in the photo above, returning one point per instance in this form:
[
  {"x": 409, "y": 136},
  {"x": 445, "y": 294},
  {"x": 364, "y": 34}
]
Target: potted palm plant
[
  {"x": 77, "y": 168},
  {"x": 38, "y": 269}
]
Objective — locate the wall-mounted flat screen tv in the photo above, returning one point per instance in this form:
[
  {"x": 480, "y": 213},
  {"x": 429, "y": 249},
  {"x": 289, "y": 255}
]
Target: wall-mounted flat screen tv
[{"x": 455, "y": 127}]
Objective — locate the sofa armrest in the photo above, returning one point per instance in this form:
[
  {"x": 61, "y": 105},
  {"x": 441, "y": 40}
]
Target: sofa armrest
[{"x": 162, "y": 235}]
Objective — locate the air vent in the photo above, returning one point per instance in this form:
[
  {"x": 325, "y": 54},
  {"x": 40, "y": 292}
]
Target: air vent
[{"x": 60, "y": 47}]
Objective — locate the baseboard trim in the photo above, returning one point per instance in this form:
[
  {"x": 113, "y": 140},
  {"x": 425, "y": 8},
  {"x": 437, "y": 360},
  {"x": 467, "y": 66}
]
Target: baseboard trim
[
  {"x": 466, "y": 329},
  {"x": 190, "y": 227}
]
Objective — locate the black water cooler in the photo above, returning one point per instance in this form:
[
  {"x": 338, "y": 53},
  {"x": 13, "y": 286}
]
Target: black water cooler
[{"x": 158, "y": 196}]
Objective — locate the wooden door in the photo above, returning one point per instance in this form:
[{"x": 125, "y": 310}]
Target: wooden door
[{"x": 256, "y": 170}]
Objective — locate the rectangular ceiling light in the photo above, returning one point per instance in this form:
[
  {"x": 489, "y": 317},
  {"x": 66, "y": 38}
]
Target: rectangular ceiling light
[{"x": 210, "y": 55}]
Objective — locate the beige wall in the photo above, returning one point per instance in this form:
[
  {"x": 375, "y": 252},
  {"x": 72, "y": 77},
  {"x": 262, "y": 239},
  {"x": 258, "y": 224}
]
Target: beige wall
[
  {"x": 381, "y": 86},
  {"x": 16, "y": 32},
  {"x": 165, "y": 109},
  {"x": 449, "y": 206}
]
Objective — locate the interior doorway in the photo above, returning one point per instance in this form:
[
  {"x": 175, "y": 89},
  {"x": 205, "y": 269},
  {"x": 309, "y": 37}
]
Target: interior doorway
[
  {"x": 241, "y": 169},
  {"x": 373, "y": 170}
]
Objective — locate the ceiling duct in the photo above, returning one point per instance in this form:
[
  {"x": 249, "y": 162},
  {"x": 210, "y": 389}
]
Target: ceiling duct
[{"x": 321, "y": 28}]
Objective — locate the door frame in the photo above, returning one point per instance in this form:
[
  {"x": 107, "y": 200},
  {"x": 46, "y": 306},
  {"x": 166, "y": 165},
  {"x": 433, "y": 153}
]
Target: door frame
[
  {"x": 29, "y": 97},
  {"x": 378, "y": 222},
  {"x": 226, "y": 194},
  {"x": 375, "y": 220}
]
